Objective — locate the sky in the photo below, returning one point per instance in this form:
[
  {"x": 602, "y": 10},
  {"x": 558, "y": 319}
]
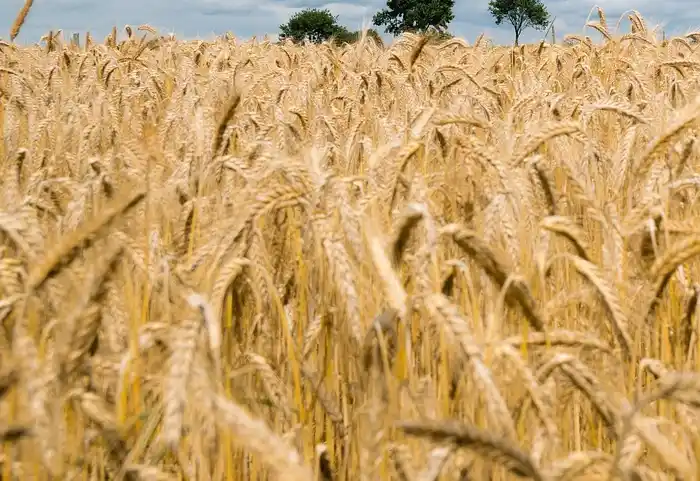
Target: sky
[{"x": 204, "y": 19}]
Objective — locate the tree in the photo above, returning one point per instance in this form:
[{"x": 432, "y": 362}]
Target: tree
[
  {"x": 437, "y": 35},
  {"x": 521, "y": 14},
  {"x": 312, "y": 24},
  {"x": 347, "y": 36},
  {"x": 415, "y": 16}
]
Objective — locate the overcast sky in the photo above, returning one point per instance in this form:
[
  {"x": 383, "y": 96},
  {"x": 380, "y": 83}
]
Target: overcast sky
[{"x": 245, "y": 18}]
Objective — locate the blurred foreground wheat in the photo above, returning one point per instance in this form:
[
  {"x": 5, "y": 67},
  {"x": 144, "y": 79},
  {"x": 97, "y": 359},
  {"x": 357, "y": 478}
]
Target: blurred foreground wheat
[{"x": 248, "y": 261}]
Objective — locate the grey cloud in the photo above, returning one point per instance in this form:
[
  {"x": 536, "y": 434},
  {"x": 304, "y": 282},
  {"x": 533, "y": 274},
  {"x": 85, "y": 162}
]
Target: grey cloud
[{"x": 245, "y": 18}]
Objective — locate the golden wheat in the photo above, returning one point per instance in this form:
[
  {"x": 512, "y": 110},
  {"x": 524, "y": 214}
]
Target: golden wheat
[{"x": 225, "y": 260}]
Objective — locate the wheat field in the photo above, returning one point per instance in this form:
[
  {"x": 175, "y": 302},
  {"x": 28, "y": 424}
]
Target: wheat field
[{"x": 427, "y": 261}]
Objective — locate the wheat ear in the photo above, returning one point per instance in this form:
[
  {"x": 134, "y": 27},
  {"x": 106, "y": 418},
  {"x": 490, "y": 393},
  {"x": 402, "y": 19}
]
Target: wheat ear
[
  {"x": 21, "y": 17},
  {"x": 72, "y": 244},
  {"x": 496, "y": 449},
  {"x": 497, "y": 267}
]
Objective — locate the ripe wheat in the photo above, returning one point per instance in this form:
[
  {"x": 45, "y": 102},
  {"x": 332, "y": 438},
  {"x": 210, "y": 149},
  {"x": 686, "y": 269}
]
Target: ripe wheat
[{"x": 435, "y": 260}]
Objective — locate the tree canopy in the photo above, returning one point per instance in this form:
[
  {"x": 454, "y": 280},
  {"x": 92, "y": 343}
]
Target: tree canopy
[
  {"x": 347, "y": 36},
  {"x": 312, "y": 24},
  {"x": 521, "y": 14},
  {"x": 319, "y": 26},
  {"x": 415, "y": 16}
]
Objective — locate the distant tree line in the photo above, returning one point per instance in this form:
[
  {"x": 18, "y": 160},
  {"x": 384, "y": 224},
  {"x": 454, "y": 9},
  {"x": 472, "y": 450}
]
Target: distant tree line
[
  {"x": 319, "y": 26},
  {"x": 417, "y": 16}
]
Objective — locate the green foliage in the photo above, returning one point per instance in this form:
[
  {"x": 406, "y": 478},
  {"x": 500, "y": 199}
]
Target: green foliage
[
  {"x": 415, "y": 16},
  {"x": 319, "y": 26},
  {"x": 312, "y": 24},
  {"x": 346, "y": 36},
  {"x": 521, "y": 14},
  {"x": 438, "y": 35}
]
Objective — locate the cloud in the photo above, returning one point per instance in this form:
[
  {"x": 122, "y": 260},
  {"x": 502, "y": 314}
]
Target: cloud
[{"x": 245, "y": 18}]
